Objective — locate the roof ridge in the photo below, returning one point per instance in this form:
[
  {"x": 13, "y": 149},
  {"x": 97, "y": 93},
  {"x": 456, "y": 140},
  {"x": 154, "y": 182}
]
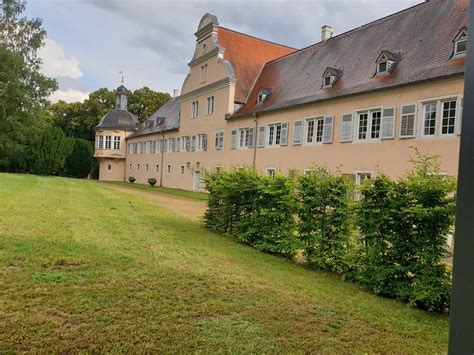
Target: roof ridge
[
  {"x": 258, "y": 38},
  {"x": 349, "y": 31}
]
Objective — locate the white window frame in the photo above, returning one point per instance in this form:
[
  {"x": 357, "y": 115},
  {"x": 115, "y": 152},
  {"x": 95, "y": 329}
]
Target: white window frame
[
  {"x": 117, "y": 142},
  {"x": 439, "y": 116},
  {"x": 358, "y": 174},
  {"x": 195, "y": 109},
  {"x": 315, "y": 129},
  {"x": 369, "y": 111},
  {"x": 301, "y": 138},
  {"x": 273, "y": 143},
  {"x": 270, "y": 171},
  {"x": 219, "y": 140},
  {"x": 101, "y": 142},
  {"x": 108, "y": 142},
  {"x": 210, "y": 105},
  {"x": 245, "y": 137}
]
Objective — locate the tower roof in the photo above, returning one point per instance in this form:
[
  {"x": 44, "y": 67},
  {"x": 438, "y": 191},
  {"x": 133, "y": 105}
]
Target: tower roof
[{"x": 118, "y": 119}]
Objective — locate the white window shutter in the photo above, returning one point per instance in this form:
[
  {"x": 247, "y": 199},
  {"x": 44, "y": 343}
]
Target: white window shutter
[
  {"x": 261, "y": 136},
  {"x": 327, "y": 129},
  {"x": 388, "y": 123},
  {"x": 347, "y": 127},
  {"x": 284, "y": 134},
  {"x": 251, "y": 137},
  {"x": 407, "y": 121},
  {"x": 461, "y": 104},
  {"x": 298, "y": 133},
  {"x": 234, "y": 139}
]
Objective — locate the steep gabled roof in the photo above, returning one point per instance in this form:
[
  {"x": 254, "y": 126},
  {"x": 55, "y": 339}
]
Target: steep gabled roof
[
  {"x": 422, "y": 35},
  {"x": 247, "y": 55}
]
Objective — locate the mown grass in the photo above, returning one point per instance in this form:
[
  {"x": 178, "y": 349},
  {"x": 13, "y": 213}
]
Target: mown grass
[
  {"x": 85, "y": 268},
  {"x": 176, "y": 192}
]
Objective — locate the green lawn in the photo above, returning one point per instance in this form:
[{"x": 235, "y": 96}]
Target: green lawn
[
  {"x": 183, "y": 193},
  {"x": 85, "y": 268}
]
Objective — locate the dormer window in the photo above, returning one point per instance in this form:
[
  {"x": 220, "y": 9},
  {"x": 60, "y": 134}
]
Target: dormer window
[
  {"x": 263, "y": 94},
  {"x": 460, "y": 42},
  {"x": 331, "y": 76},
  {"x": 386, "y": 63}
]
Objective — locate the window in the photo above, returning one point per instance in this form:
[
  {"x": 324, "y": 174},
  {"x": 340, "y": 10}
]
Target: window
[
  {"x": 203, "y": 73},
  {"x": 362, "y": 176},
  {"x": 109, "y": 167},
  {"x": 368, "y": 124},
  {"x": 407, "y": 121},
  {"x": 460, "y": 42},
  {"x": 194, "y": 109},
  {"x": 271, "y": 172},
  {"x": 135, "y": 148},
  {"x": 245, "y": 137},
  {"x": 129, "y": 148},
  {"x": 147, "y": 146},
  {"x": 449, "y": 117},
  {"x": 130, "y": 167},
  {"x": 184, "y": 143},
  {"x": 201, "y": 142},
  {"x": 182, "y": 169},
  {"x": 153, "y": 147},
  {"x": 138, "y": 166},
  {"x": 168, "y": 169},
  {"x": 327, "y": 81},
  {"x": 429, "y": 119},
  {"x": 158, "y": 145},
  {"x": 382, "y": 67},
  {"x": 314, "y": 130},
  {"x": 101, "y": 142},
  {"x": 210, "y": 105},
  {"x": 277, "y": 134},
  {"x": 170, "y": 145},
  {"x": 165, "y": 145},
  {"x": 219, "y": 142},
  {"x": 108, "y": 142},
  {"x": 117, "y": 142},
  {"x": 146, "y": 167},
  {"x": 263, "y": 94},
  {"x": 157, "y": 168},
  {"x": 298, "y": 132}
]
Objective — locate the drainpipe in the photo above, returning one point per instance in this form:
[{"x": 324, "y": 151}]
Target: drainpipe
[
  {"x": 255, "y": 118},
  {"x": 162, "y": 158}
]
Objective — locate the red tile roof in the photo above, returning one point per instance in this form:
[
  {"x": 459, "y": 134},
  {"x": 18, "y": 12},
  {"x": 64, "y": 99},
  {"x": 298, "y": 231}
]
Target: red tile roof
[
  {"x": 423, "y": 35},
  {"x": 247, "y": 55}
]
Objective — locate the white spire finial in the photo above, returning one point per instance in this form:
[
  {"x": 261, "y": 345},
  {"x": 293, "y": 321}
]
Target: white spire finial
[{"x": 121, "y": 74}]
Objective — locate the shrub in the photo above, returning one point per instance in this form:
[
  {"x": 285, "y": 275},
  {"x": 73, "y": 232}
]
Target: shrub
[
  {"x": 48, "y": 152},
  {"x": 324, "y": 218},
  {"x": 403, "y": 226},
  {"x": 152, "y": 181},
  {"x": 79, "y": 163},
  {"x": 131, "y": 179},
  {"x": 258, "y": 210}
]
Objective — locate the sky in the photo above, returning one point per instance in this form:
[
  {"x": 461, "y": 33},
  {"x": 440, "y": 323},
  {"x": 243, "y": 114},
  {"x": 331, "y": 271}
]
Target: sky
[{"x": 90, "y": 41}]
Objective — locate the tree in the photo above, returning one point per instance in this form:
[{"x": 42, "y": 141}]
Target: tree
[
  {"x": 79, "y": 163},
  {"x": 144, "y": 102},
  {"x": 48, "y": 152},
  {"x": 23, "y": 89}
]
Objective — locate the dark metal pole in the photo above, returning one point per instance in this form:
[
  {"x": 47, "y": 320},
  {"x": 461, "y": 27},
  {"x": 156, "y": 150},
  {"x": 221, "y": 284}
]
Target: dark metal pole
[{"x": 461, "y": 330}]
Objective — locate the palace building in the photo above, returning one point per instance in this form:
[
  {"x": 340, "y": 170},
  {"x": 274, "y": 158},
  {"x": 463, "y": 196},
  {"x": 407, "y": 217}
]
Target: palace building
[{"x": 357, "y": 102}]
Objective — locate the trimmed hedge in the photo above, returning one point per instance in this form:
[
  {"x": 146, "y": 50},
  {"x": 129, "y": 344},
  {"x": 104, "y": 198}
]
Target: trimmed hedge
[{"x": 392, "y": 241}]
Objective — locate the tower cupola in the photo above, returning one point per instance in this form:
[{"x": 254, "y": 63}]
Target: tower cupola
[{"x": 121, "y": 95}]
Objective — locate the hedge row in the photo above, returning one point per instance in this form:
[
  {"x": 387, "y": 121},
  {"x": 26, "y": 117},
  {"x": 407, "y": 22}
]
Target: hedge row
[{"x": 393, "y": 240}]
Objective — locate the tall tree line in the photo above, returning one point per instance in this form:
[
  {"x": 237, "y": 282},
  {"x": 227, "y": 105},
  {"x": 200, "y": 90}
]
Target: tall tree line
[{"x": 37, "y": 136}]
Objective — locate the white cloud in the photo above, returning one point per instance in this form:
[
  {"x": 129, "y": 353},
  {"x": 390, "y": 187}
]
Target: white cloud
[
  {"x": 69, "y": 95},
  {"x": 55, "y": 62}
]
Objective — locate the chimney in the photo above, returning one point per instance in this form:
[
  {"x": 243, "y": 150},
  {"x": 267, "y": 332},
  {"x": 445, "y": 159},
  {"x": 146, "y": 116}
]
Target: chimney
[
  {"x": 326, "y": 32},
  {"x": 175, "y": 93}
]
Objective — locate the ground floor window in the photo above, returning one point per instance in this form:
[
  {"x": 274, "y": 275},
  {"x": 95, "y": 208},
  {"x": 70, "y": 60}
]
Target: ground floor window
[
  {"x": 146, "y": 167},
  {"x": 182, "y": 169},
  {"x": 362, "y": 176},
  {"x": 168, "y": 168},
  {"x": 157, "y": 168},
  {"x": 271, "y": 172},
  {"x": 109, "y": 167},
  {"x": 130, "y": 167}
]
